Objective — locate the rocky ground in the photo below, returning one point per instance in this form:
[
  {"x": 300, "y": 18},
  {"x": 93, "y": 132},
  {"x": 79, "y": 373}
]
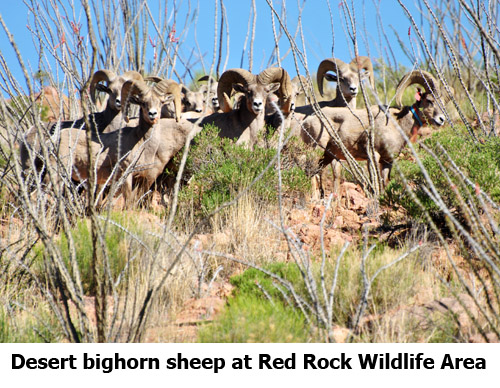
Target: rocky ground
[{"x": 350, "y": 215}]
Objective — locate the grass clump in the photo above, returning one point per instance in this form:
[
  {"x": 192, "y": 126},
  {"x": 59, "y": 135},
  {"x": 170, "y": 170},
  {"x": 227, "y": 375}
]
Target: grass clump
[
  {"x": 24, "y": 315},
  {"x": 252, "y": 319},
  {"x": 117, "y": 244},
  {"x": 252, "y": 281},
  {"x": 37, "y": 325},
  {"x": 252, "y": 315},
  {"x": 257, "y": 303}
]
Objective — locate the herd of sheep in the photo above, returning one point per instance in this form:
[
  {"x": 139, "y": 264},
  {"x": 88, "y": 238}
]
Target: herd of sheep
[{"x": 136, "y": 150}]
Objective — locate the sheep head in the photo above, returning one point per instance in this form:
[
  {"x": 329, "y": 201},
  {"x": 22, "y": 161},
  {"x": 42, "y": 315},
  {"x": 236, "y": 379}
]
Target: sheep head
[
  {"x": 284, "y": 92},
  {"x": 210, "y": 91},
  {"x": 210, "y": 95},
  {"x": 346, "y": 76},
  {"x": 297, "y": 89},
  {"x": 149, "y": 99},
  {"x": 426, "y": 102},
  {"x": 226, "y": 82},
  {"x": 171, "y": 88},
  {"x": 192, "y": 101},
  {"x": 163, "y": 87},
  {"x": 256, "y": 94},
  {"x": 113, "y": 87},
  {"x": 363, "y": 63}
]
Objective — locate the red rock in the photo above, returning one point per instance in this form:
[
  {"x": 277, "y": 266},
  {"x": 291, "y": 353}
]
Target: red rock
[{"x": 338, "y": 222}]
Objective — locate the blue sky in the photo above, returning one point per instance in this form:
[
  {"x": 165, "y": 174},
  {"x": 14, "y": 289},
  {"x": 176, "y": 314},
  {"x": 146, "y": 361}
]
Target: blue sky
[{"x": 319, "y": 39}]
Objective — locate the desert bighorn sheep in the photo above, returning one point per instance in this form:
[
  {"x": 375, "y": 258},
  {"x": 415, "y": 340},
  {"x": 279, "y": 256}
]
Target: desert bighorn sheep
[
  {"x": 389, "y": 141},
  {"x": 107, "y": 120},
  {"x": 245, "y": 122},
  {"x": 193, "y": 103},
  {"x": 122, "y": 150},
  {"x": 347, "y": 78},
  {"x": 209, "y": 90},
  {"x": 348, "y": 81},
  {"x": 275, "y": 119}
]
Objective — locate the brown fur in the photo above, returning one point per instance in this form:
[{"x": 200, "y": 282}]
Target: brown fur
[{"x": 388, "y": 140}]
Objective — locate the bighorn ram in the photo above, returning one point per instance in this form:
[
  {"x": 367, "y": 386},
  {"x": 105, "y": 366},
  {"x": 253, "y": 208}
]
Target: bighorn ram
[
  {"x": 275, "y": 119},
  {"x": 348, "y": 81},
  {"x": 389, "y": 141},
  {"x": 245, "y": 122},
  {"x": 193, "y": 103},
  {"x": 108, "y": 120},
  {"x": 136, "y": 148},
  {"x": 347, "y": 78}
]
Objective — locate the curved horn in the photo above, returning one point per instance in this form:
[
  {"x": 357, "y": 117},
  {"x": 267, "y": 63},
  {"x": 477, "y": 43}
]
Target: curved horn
[
  {"x": 132, "y": 74},
  {"x": 278, "y": 74},
  {"x": 100, "y": 75},
  {"x": 365, "y": 63},
  {"x": 207, "y": 78},
  {"x": 330, "y": 64},
  {"x": 169, "y": 86},
  {"x": 134, "y": 87},
  {"x": 153, "y": 78},
  {"x": 225, "y": 85},
  {"x": 420, "y": 77}
]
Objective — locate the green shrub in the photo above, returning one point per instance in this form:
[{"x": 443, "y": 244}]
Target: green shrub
[
  {"x": 480, "y": 162},
  {"x": 252, "y": 319},
  {"x": 116, "y": 245},
  {"x": 256, "y": 302},
  {"x": 246, "y": 283},
  {"x": 253, "y": 315},
  {"x": 220, "y": 169}
]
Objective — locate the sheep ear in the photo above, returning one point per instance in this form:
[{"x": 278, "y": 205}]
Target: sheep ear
[
  {"x": 331, "y": 77},
  {"x": 418, "y": 94},
  {"x": 103, "y": 88},
  {"x": 239, "y": 88},
  {"x": 272, "y": 87}
]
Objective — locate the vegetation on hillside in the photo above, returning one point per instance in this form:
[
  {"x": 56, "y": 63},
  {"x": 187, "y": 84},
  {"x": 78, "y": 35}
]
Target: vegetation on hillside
[{"x": 417, "y": 263}]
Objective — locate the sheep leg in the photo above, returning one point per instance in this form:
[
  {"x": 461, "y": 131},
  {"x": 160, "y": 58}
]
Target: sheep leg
[
  {"x": 317, "y": 187},
  {"x": 386, "y": 172},
  {"x": 336, "y": 172},
  {"x": 127, "y": 192},
  {"x": 317, "y": 180},
  {"x": 142, "y": 187}
]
